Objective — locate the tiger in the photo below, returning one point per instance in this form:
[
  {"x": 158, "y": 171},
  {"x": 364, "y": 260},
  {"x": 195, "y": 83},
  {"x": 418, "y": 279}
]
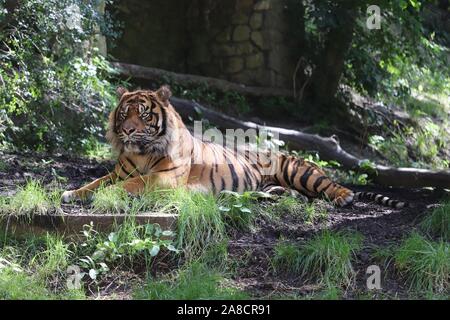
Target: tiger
[{"x": 156, "y": 150}]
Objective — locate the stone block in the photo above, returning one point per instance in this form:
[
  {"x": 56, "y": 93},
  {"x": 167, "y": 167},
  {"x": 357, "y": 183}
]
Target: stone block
[
  {"x": 262, "y": 5},
  {"x": 256, "y": 20},
  {"x": 254, "y": 61},
  {"x": 241, "y": 33},
  {"x": 234, "y": 64},
  {"x": 257, "y": 39}
]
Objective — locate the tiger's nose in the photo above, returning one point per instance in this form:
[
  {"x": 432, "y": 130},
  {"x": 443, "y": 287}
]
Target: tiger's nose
[{"x": 128, "y": 131}]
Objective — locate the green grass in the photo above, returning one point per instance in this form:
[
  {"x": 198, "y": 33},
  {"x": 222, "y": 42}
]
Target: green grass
[
  {"x": 29, "y": 265},
  {"x": 438, "y": 222},
  {"x": 111, "y": 199},
  {"x": 286, "y": 258},
  {"x": 288, "y": 205},
  {"x": 308, "y": 212},
  {"x": 200, "y": 223},
  {"x": 327, "y": 257},
  {"x": 19, "y": 286},
  {"x": 97, "y": 150},
  {"x": 54, "y": 259},
  {"x": 30, "y": 199},
  {"x": 238, "y": 210},
  {"x": 424, "y": 264},
  {"x": 3, "y": 165},
  {"x": 194, "y": 282}
]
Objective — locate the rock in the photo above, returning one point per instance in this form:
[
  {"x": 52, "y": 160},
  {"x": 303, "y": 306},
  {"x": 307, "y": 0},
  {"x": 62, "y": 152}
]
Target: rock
[
  {"x": 262, "y": 5},
  {"x": 234, "y": 64},
  {"x": 239, "y": 18},
  {"x": 256, "y": 20},
  {"x": 223, "y": 50},
  {"x": 257, "y": 39},
  {"x": 254, "y": 61},
  {"x": 244, "y": 48},
  {"x": 241, "y": 33}
]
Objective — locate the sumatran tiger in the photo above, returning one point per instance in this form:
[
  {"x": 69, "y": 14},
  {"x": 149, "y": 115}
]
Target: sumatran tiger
[{"x": 156, "y": 150}]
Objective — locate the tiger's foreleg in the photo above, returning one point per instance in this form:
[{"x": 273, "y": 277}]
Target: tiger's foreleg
[{"x": 86, "y": 191}]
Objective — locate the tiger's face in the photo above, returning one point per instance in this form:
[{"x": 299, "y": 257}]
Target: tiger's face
[{"x": 140, "y": 119}]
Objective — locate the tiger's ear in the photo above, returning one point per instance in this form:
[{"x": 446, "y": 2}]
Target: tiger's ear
[
  {"x": 121, "y": 91},
  {"x": 164, "y": 93}
]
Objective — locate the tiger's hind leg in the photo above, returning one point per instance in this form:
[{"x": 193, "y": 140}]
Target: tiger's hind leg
[
  {"x": 310, "y": 180},
  {"x": 278, "y": 190}
]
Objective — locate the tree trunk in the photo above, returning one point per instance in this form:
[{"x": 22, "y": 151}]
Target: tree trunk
[{"x": 330, "y": 64}]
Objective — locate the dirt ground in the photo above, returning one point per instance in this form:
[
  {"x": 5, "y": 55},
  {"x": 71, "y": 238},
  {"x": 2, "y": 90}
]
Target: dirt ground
[{"x": 380, "y": 226}]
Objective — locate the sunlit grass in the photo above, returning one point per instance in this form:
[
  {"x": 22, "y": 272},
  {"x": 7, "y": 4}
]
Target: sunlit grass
[
  {"x": 53, "y": 259},
  {"x": 30, "y": 199},
  {"x": 286, "y": 258},
  {"x": 200, "y": 223},
  {"x": 438, "y": 221},
  {"x": 21, "y": 286},
  {"x": 96, "y": 149},
  {"x": 111, "y": 199},
  {"x": 196, "y": 281},
  {"x": 309, "y": 212},
  {"x": 424, "y": 264},
  {"x": 327, "y": 257}
]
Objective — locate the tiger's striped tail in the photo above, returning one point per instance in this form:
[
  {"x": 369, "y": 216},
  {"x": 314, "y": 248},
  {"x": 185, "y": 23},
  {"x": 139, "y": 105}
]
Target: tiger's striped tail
[{"x": 380, "y": 199}]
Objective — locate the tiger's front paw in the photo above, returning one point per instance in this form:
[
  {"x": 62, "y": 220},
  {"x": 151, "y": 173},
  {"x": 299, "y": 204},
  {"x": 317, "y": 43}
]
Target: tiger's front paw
[
  {"x": 68, "y": 196},
  {"x": 344, "y": 198}
]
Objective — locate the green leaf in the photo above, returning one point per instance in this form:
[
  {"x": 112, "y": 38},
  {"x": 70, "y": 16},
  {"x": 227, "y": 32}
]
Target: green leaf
[
  {"x": 155, "y": 250},
  {"x": 93, "y": 274},
  {"x": 167, "y": 233},
  {"x": 246, "y": 210}
]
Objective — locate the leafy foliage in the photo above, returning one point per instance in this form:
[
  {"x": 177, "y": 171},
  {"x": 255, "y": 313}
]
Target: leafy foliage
[{"x": 54, "y": 90}]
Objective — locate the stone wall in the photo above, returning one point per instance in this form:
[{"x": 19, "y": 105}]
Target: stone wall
[
  {"x": 153, "y": 33},
  {"x": 244, "y": 41}
]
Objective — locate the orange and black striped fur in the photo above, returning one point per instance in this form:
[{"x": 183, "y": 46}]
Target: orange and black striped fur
[{"x": 156, "y": 150}]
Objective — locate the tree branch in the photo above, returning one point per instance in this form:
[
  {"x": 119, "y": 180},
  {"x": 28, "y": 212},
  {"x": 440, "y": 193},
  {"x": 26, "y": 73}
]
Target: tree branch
[{"x": 154, "y": 74}]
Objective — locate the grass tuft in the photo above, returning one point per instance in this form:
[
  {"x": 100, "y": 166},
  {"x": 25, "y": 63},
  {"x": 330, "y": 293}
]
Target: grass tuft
[
  {"x": 286, "y": 258},
  {"x": 327, "y": 257},
  {"x": 438, "y": 222},
  {"x": 30, "y": 199},
  {"x": 21, "y": 286},
  {"x": 425, "y": 264},
  {"x": 308, "y": 212},
  {"x": 194, "y": 282},
  {"x": 111, "y": 199},
  {"x": 200, "y": 222}
]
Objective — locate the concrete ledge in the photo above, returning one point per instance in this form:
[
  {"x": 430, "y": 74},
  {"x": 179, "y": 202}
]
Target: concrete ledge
[{"x": 72, "y": 224}]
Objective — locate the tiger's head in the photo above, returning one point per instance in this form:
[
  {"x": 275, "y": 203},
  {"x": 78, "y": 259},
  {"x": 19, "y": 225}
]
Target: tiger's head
[{"x": 139, "y": 123}]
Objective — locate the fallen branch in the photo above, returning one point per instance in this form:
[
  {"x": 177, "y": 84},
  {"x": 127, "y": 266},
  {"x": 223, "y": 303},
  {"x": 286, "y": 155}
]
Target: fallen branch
[
  {"x": 154, "y": 74},
  {"x": 328, "y": 148}
]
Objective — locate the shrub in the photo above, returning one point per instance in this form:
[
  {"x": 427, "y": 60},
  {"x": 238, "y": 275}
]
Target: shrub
[{"x": 54, "y": 91}]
